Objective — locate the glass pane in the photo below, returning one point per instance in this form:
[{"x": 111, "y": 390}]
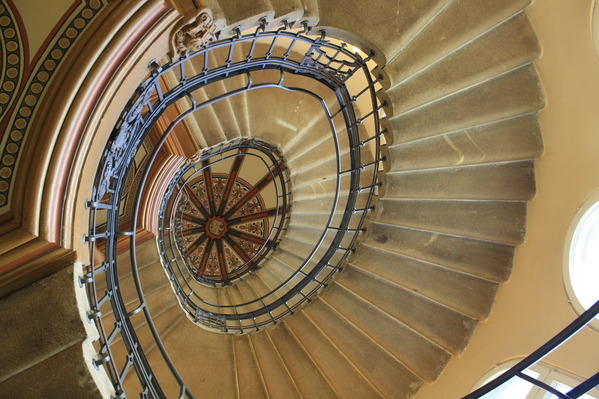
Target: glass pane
[
  {"x": 584, "y": 258},
  {"x": 516, "y": 388},
  {"x": 563, "y": 388}
]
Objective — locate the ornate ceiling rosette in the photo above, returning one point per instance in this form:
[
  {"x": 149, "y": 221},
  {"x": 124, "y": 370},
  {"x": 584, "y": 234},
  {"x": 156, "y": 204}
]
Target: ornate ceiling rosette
[{"x": 226, "y": 223}]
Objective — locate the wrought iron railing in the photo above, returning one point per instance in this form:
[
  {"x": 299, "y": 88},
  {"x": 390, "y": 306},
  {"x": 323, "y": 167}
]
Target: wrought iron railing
[
  {"x": 517, "y": 371},
  {"x": 354, "y": 118}
]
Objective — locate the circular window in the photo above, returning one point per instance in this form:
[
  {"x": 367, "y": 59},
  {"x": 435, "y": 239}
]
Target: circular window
[{"x": 581, "y": 266}]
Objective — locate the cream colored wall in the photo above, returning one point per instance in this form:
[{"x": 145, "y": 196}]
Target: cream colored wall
[
  {"x": 533, "y": 305},
  {"x": 40, "y": 18}
]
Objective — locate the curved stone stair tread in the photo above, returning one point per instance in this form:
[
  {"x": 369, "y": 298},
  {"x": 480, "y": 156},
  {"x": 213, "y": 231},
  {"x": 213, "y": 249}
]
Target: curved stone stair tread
[
  {"x": 250, "y": 381},
  {"x": 277, "y": 378},
  {"x": 205, "y": 361},
  {"x": 385, "y": 25},
  {"x": 326, "y": 187},
  {"x": 444, "y": 34},
  {"x": 319, "y": 219},
  {"x": 165, "y": 322},
  {"x": 146, "y": 255},
  {"x": 244, "y": 15},
  {"x": 506, "y": 47},
  {"x": 278, "y": 115},
  {"x": 496, "y": 221},
  {"x": 515, "y": 93},
  {"x": 467, "y": 294},
  {"x": 422, "y": 356},
  {"x": 308, "y": 378},
  {"x": 446, "y": 327},
  {"x": 389, "y": 376},
  {"x": 513, "y": 139},
  {"x": 510, "y": 181},
  {"x": 316, "y": 156},
  {"x": 325, "y": 203},
  {"x": 302, "y": 240},
  {"x": 345, "y": 378},
  {"x": 483, "y": 259},
  {"x": 326, "y": 169}
]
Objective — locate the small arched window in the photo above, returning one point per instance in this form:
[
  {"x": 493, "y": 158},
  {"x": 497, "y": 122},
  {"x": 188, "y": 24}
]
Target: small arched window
[
  {"x": 581, "y": 257},
  {"x": 518, "y": 388}
]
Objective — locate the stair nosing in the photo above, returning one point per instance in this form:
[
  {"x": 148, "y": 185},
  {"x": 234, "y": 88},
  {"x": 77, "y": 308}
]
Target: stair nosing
[
  {"x": 450, "y": 132},
  {"x": 461, "y": 166},
  {"x": 428, "y": 262},
  {"x": 316, "y": 366},
  {"x": 465, "y": 44},
  {"x": 457, "y": 92},
  {"x": 341, "y": 353},
  {"x": 334, "y": 309}
]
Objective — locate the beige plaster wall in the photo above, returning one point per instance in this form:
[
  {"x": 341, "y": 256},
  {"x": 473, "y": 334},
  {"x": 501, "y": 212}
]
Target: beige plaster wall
[
  {"x": 533, "y": 306},
  {"x": 40, "y": 18}
]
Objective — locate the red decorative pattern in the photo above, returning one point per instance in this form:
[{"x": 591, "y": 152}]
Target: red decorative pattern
[{"x": 243, "y": 235}]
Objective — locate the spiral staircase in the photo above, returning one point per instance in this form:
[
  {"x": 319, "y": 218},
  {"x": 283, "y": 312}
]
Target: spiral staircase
[{"x": 431, "y": 213}]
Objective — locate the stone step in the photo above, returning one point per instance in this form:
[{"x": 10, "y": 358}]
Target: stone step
[
  {"x": 512, "y": 139},
  {"x": 422, "y": 356},
  {"x": 165, "y": 322},
  {"x": 244, "y": 15},
  {"x": 383, "y": 25},
  {"x": 319, "y": 220},
  {"x": 446, "y": 33},
  {"x": 189, "y": 344},
  {"x": 389, "y": 376},
  {"x": 311, "y": 15},
  {"x": 250, "y": 381},
  {"x": 305, "y": 239},
  {"x": 280, "y": 116},
  {"x": 444, "y": 326},
  {"x": 483, "y": 259},
  {"x": 506, "y": 47},
  {"x": 328, "y": 186},
  {"x": 277, "y": 378},
  {"x": 290, "y": 10},
  {"x": 469, "y": 295},
  {"x": 496, "y": 221},
  {"x": 510, "y": 181},
  {"x": 310, "y": 381},
  {"x": 345, "y": 379},
  {"x": 324, "y": 203},
  {"x": 514, "y": 93},
  {"x": 325, "y": 164}
]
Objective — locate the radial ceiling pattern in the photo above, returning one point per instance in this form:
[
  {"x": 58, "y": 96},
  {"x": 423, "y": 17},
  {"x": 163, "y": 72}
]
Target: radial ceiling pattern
[{"x": 224, "y": 221}]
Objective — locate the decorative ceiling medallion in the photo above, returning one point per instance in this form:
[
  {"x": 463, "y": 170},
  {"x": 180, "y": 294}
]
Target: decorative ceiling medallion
[{"x": 228, "y": 213}]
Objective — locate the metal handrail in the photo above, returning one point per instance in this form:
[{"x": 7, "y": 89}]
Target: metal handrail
[
  {"x": 518, "y": 370},
  {"x": 330, "y": 64}
]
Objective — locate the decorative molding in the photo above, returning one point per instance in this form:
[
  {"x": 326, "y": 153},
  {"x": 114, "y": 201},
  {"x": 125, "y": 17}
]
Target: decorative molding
[
  {"x": 13, "y": 58},
  {"x": 19, "y": 120},
  {"x": 193, "y": 32}
]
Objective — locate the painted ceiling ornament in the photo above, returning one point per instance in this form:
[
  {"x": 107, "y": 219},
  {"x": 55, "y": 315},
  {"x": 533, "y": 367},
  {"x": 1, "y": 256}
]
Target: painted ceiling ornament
[{"x": 193, "y": 32}]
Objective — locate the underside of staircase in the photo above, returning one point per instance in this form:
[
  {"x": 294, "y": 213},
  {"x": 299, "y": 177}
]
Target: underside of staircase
[{"x": 459, "y": 98}]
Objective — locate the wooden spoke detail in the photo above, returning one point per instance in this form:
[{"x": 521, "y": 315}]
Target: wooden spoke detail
[
  {"x": 263, "y": 182},
  {"x": 193, "y": 230},
  {"x": 196, "y": 201},
  {"x": 209, "y": 188},
  {"x": 247, "y": 237},
  {"x": 255, "y": 216},
  {"x": 192, "y": 218},
  {"x": 205, "y": 257},
  {"x": 231, "y": 180},
  {"x": 237, "y": 249},
  {"x": 196, "y": 244}
]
